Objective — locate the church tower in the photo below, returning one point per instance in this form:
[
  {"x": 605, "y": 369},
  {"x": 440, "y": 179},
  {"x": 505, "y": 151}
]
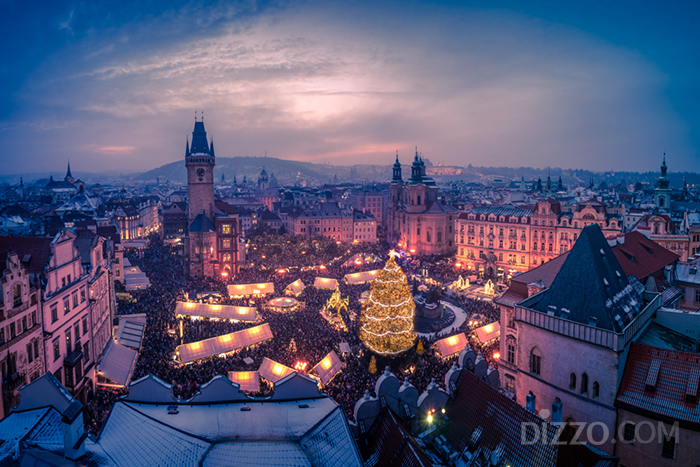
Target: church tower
[
  {"x": 662, "y": 192},
  {"x": 200, "y": 162}
]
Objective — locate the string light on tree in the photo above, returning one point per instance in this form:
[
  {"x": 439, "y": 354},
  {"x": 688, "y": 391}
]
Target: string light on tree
[{"x": 386, "y": 322}]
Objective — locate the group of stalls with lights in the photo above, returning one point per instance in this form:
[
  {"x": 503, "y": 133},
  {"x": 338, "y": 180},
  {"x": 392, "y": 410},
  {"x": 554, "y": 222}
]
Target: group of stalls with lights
[{"x": 273, "y": 371}]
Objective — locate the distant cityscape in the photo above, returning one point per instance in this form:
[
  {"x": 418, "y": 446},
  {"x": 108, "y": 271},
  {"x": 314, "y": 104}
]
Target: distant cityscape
[{"x": 403, "y": 313}]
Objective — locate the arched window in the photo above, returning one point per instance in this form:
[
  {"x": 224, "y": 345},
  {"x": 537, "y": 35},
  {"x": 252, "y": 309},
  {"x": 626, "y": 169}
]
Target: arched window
[
  {"x": 418, "y": 199},
  {"x": 428, "y": 236},
  {"x": 572, "y": 381},
  {"x": 439, "y": 237},
  {"x": 584, "y": 383},
  {"x": 596, "y": 389},
  {"x": 535, "y": 361}
]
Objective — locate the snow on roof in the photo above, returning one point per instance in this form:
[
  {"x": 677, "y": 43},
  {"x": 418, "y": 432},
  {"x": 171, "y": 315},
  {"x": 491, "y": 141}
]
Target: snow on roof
[
  {"x": 257, "y": 453},
  {"x": 15, "y": 427},
  {"x": 265, "y": 420},
  {"x": 132, "y": 439},
  {"x": 243, "y": 313}
]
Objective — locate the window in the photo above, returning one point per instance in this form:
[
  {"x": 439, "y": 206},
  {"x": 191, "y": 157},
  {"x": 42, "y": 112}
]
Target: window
[
  {"x": 511, "y": 320},
  {"x": 428, "y": 236},
  {"x": 86, "y": 351},
  {"x": 669, "y": 447},
  {"x": 510, "y": 355},
  {"x": 17, "y": 292},
  {"x": 56, "y": 349},
  {"x": 54, "y": 313},
  {"x": 628, "y": 434},
  {"x": 33, "y": 318},
  {"x": 58, "y": 374},
  {"x": 596, "y": 389},
  {"x": 30, "y": 353},
  {"x": 572, "y": 381},
  {"x": 584, "y": 383},
  {"x": 2, "y": 335},
  {"x": 226, "y": 229},
  {"x": 535, "y": 361},
  {"x": 66, "y": 305},
  {"x": 24, "y": 324},
  {"x": 76, "y": 331},
  {"x": 510, "y": 384},
  {"x": 12, "y": 330},
  {"x": 69, "y": 377},
  {"x": 85, "y": 326},
  {"x": 82, "y": 295},
  {"x": 69, "y": 342},
  {"x": 36, "y": 348},
  {"x": 697, "y": 295}
]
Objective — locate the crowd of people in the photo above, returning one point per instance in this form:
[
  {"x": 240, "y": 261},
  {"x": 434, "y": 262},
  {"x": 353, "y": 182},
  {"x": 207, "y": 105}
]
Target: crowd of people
[{"x": 299, "y": 336}]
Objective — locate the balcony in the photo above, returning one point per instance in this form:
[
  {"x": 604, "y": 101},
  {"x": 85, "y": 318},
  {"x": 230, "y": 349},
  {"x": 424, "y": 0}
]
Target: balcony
[{"x": 14, "y": 381}]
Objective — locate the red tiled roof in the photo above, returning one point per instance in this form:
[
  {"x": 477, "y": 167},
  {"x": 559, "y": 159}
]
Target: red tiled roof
[
  {"x": 545, "y": 272},
  {"x": 641, "y": 257},
  {"x": 677, "y": 376},
  {"x": 38, "y": 247}
]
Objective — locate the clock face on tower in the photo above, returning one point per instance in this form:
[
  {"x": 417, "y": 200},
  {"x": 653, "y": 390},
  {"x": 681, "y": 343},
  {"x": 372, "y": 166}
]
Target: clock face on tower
[{"x": 200, "y": 173}]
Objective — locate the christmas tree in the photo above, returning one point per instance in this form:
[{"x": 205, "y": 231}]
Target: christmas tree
[
  {"x": 386, "y": 323},
  {"x": 419, "y": 348},
  {"x": 372, "y": 365}
]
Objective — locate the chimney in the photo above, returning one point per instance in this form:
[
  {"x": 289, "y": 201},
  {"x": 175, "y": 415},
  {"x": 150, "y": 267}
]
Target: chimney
[
  {"x": 557, "y": 411},
  {"x": 530, "y": 402},
  {"x": 73, "y": 431}
]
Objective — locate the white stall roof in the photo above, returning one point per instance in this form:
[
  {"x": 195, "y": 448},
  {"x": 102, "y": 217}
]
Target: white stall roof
[
  {"x": 361, "y": 277},
  {"x": 325, "y": 283},
  {"x": 247, "y": 380},
  {"x": 488, "y": 332},
  {"x": 296, "y": 287},
  {"x": 273, "y": 371},
  {"x": 222, "y": 344},
  {"x": 265, "y": 288},
  {"x": 452, "y": 344},
  {"x": 130, "y": 333},
  {"x": 328, "y": 367},
  {"x": 243, "y": 313},
  {"x": 118, "y": 363}
]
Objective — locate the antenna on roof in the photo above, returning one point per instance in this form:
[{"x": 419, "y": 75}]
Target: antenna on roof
[{"x": 195, "y": 115}]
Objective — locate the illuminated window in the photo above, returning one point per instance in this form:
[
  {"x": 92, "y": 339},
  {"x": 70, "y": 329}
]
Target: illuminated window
[{"x": 226, "y": 229}]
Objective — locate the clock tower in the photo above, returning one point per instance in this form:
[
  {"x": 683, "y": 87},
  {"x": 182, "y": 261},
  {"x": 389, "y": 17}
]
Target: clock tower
[{"x": 200, "y": 161}]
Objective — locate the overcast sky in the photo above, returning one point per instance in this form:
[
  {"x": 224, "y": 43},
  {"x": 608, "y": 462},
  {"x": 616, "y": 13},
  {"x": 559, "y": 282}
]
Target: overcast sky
[{"x": 114, "y": 85}]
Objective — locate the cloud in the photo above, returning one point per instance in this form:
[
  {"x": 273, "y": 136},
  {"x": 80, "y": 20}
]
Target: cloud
[{"x": 352, "y": 85}]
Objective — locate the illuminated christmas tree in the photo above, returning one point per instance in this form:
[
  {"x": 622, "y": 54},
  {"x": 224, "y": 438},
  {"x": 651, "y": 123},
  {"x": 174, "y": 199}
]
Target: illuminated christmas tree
[{"x": 386, "y": 323}]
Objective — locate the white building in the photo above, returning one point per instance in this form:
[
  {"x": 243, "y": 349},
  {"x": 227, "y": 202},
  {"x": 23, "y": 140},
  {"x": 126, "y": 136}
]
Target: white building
[{"x": 66, "y": 317}]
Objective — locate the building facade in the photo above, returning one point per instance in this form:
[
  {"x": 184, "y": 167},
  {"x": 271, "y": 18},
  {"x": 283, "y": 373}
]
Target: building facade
[
  {"x": 66, "y": 317},
  {"x": 498, "y": 241},
  {"x": 417, "y": 220},
  {"x": 21, "y": 341},
  {"x": 211, "y": 245}
]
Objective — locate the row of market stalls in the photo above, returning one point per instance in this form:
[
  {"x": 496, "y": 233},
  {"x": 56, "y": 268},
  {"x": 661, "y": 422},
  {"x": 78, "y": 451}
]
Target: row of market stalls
[
  {"x": 119, "y": 360},
  {"x": 274, "y": 371},
  {"x": 134, "y": 278}
]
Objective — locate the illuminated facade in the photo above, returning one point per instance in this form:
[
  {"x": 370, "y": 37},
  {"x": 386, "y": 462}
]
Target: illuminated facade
[
  {"x": 497, "y": 241},
  {"x": 417, "y": 220}
]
